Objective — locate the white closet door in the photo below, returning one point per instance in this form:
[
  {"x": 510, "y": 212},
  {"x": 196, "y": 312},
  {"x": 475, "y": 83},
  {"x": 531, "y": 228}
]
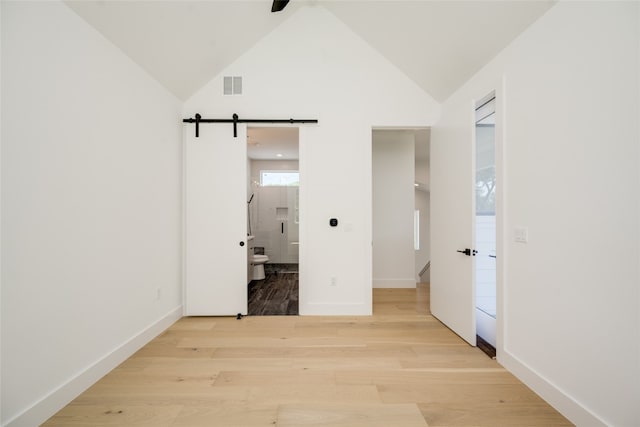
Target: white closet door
[{"x": 215, "y": 221}]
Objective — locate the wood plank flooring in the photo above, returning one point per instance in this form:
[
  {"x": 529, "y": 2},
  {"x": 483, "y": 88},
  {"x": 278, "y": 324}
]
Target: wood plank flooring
[{"x": 397, "y": 368}]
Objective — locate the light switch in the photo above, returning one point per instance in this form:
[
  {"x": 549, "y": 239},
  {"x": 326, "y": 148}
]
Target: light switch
[{"x": 521, "y": 234}]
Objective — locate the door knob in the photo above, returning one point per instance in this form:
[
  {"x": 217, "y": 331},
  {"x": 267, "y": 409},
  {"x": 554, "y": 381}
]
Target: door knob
[{"x": 469, "y": 252}]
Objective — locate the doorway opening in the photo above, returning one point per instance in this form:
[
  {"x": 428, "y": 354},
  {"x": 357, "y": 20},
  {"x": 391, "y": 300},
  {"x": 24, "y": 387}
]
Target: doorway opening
[
  {"x": 485, "y": 223},
  {"x": 273, "y": 220},
  {"x": 401, "y": 209}
]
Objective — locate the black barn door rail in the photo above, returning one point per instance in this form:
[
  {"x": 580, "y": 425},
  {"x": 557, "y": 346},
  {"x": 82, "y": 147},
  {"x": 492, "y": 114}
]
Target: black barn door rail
[{"x": 235, "y": 120}]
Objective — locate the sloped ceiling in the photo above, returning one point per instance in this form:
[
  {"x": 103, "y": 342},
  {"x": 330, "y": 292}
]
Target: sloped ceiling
[
  {"x": 439, "y": 44},
  {"x": 183, "y": 43}
]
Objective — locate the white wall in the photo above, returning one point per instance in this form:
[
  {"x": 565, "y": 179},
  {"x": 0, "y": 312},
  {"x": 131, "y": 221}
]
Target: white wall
[
  {"x": 313, "y": 66},
  {"x": 422, "y": 173},
  {"x": 423, "y": 255},
  {"x": 393, "y": 206},
  {"x": 569, "y": 299},
  {"x": 423, "y": 204},
  {"x": 265, "y": 227},
  {"x": 423, "y": 201},
  {"x": 254, "y": 168},
  {"x": 90, "y": 208},
  {"x": 1, "y": 61}
]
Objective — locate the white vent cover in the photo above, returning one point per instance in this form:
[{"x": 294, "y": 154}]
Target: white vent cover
[{"x": 232, "y": 85}]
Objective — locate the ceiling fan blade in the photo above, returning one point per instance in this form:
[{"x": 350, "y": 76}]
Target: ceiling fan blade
[{"x": 278, "y": 5}]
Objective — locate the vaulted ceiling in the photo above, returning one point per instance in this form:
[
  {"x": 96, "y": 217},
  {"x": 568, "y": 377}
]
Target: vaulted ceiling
[{"x": 438, "y": 44}]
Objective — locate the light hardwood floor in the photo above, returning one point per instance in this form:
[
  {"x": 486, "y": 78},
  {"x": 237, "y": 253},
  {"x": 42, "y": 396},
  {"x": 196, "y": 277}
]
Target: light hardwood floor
[{"x": 397, "y": 368}]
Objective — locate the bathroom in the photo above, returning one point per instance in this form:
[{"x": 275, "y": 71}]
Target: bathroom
[{"x": 273, "y": 220}]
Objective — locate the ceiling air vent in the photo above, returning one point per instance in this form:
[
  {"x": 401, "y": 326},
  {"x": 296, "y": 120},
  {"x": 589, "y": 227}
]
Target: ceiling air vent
[{"x": 232, "y": 85}]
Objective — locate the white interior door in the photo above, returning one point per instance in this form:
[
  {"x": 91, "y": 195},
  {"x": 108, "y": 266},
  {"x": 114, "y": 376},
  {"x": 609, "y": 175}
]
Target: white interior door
[
  {"x": 452, "y": 228},
  {"x": 216, "y": 221}
]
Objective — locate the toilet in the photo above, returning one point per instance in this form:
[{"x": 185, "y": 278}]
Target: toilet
[{"x": 258, "y": 262}]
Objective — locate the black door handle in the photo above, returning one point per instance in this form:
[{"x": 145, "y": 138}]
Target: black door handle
[
  {"x": 282, "y": 228},
  {"x": 241, "y": 243},
  {"x": 469, "y": 252}
]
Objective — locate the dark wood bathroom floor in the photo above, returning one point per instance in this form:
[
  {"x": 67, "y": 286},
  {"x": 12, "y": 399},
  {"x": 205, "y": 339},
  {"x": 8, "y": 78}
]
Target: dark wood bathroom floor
[{"x": 276, "y": 295}]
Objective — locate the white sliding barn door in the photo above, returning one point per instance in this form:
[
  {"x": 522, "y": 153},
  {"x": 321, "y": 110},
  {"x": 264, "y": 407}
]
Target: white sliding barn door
[
  {"x": 215, "y": 221},
  {"x": 452, "y": 227}
]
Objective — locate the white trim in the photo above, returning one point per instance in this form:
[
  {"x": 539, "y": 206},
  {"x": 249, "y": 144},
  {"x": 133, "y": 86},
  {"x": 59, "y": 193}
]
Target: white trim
[
  {"x": 43, "y": 409},
  {"x": 394, "y": 283},
  {"x": 183, "y": 220},
  {"x": 501, "y": 213},
  {"x": 552, "y": 394}
]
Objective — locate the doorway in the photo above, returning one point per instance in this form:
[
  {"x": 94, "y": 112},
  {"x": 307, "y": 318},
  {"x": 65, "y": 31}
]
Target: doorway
[
  {"x": 400, "y": 207},
  {"x": 485, "y": 222},
  {"x": 273, "y": 220}
]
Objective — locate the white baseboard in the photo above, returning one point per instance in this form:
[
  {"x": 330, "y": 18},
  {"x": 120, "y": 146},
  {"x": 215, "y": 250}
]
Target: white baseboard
[
  {"x": 42, "y": 410},
  {"x": 394, "y": 283},
  {"x": 560, "y": 400}
]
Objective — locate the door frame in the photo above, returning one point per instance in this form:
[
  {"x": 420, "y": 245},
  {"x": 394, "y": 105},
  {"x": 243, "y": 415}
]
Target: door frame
[
  {"x": 497, "y": 127},
  {"x": 301, "y": 205},
  {"x": 501, "y": 217},
  {"x": 498, "y": 88}
]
